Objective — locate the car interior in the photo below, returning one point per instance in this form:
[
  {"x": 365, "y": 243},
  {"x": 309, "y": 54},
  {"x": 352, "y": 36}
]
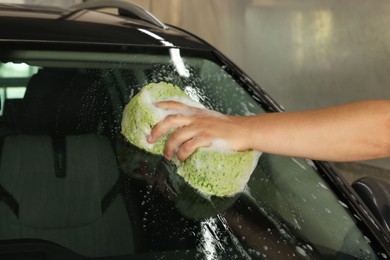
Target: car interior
[
  {"x": 60, "y": 178},
  {"x": 60, "y": 173}
]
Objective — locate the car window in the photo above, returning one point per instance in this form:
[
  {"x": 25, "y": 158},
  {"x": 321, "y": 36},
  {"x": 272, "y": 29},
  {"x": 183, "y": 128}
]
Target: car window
[
  {"x": 68, "y": 176},
  {"x": 14, "y": 77}
]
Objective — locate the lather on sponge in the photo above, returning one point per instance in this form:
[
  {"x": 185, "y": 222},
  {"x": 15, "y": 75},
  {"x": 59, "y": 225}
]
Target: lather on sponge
[{"x": 212, "y": 170}]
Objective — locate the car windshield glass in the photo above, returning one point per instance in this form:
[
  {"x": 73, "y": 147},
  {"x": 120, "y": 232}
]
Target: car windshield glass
[{"x": 68, "y": 176}]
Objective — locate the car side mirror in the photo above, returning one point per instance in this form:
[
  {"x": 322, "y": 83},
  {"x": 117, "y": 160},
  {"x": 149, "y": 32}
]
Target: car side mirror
[{"x": 375, "y": 193}]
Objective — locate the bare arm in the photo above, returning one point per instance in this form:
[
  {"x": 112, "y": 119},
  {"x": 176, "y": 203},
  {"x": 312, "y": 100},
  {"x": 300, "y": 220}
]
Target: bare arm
[{"x": 351, "y": 132}]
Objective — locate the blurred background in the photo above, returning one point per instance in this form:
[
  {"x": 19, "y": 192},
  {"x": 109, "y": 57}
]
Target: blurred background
[{"x": 305, "y": 53}]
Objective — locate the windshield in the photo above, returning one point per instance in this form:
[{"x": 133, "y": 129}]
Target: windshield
[{"x": 69, "y": 177}]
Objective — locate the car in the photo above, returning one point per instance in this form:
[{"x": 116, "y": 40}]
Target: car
[{"x": 72, "y": 187}]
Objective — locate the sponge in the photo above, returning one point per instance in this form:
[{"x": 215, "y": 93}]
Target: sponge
[{"x": 214, "y": 170}]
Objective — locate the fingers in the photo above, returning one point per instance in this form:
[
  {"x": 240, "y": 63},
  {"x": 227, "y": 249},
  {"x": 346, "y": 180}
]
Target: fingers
[
  {"x": 171, "y": 105},
  {"x": 186, "y": 138},
  {"x": 191, "y": 145},
  {"x": 184, "y": 141},
  {"x": 171, "y": 121}
]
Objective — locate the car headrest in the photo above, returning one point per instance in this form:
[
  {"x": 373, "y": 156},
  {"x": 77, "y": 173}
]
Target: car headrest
[{"x": 63, "y": 101}]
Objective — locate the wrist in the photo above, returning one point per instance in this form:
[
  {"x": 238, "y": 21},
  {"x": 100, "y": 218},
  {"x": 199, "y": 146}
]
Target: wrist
[{"x": 244, "y": 133}]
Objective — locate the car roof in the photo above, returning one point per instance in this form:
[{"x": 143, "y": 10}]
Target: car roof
[{"x": 86, "y": 24}]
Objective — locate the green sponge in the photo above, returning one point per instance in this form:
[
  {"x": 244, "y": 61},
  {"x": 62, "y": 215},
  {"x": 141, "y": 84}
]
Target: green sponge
[{"x": 214, "y": 170}]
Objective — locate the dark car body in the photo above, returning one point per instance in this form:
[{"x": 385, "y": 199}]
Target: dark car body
[{"x": 71, "y": 187}]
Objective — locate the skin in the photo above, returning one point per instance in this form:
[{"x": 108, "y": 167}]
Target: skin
[{"x": 349, "y": 132}]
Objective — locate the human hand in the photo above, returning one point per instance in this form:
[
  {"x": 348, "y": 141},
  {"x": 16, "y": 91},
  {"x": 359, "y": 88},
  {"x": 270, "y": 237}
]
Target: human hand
[{"x": 196, "y": 128}]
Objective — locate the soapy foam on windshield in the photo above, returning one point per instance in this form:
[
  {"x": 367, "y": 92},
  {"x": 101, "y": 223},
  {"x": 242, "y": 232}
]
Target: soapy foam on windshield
[{"x": 214, "y": 170}]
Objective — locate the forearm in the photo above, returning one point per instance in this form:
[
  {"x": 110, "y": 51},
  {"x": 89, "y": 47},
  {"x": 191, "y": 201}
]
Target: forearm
[{"x": 357, "y": 131}]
